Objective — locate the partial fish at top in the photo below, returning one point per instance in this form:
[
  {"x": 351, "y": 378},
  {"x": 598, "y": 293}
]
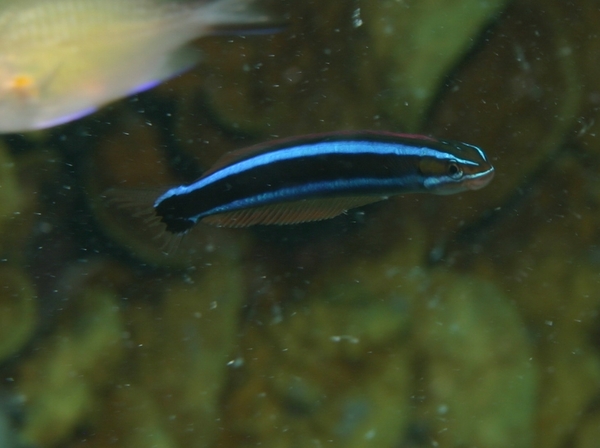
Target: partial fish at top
[{"x": 63, "y": 59}]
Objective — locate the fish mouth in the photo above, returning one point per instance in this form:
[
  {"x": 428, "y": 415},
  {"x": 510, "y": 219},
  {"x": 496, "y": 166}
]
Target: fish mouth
[{"x": 480, "y": 180}]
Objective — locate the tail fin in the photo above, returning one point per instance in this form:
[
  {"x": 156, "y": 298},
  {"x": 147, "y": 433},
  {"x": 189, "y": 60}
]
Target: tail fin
[
  {"x": 139, "y": 202},
  {"x": 237, "y": 17}
]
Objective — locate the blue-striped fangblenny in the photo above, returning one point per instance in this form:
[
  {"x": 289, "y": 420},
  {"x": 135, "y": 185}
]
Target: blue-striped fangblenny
[{"x": 320, "y": 176}]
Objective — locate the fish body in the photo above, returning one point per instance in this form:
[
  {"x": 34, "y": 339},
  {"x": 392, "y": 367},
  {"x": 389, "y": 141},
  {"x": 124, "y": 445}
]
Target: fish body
[
  {"x": 62, "y": 59},
  {"x": 318, "y": 177}
]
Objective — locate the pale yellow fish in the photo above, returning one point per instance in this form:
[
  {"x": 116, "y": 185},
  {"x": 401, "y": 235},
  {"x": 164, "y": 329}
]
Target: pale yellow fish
[{"x": 62, "y": 59}]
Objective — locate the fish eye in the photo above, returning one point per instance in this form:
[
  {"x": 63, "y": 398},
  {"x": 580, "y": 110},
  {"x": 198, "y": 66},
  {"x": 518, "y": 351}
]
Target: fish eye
[{"x": 454, "y": 171}]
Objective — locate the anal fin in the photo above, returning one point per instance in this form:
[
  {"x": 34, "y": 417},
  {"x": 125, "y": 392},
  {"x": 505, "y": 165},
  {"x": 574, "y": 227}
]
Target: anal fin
[{"x": 290, "y": 212}]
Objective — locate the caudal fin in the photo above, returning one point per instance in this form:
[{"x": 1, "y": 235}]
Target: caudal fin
[
  {"x": 237, "y": 17},
  {"x": 139, "y": 204}
]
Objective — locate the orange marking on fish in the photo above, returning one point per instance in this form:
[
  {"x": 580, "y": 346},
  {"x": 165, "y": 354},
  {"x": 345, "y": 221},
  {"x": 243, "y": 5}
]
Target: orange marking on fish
[{"x": 23, "y": 85}]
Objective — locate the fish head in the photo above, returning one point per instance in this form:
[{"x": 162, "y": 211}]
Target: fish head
[{"x": 459, "y": 167}]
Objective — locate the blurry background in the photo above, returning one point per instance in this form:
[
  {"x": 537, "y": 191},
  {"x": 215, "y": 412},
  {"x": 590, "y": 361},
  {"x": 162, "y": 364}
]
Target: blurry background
[{"x": 450, "y": 321}]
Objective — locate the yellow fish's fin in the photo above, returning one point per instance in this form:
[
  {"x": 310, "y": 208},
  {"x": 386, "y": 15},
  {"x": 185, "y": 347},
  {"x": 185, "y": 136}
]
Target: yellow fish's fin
[
  {"x": 290, "y": 213},
  {"x": 175, "y": 63},
  {"x": 235, "y": 15},
  {"x": 181, "y": 60}
]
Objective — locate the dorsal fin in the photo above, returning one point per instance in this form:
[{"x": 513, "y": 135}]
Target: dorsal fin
[
  {"x": 245, "y": 153},
  {"x": 290, "y": 213},
  {"x": 235, "y": 156}
]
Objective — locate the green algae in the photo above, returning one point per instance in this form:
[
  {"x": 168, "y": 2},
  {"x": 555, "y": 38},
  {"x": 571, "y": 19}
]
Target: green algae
[
  {"x": 416, "y": 44},
  {"x": 467, "y": 374},
  {"x": 365, "y": 326},
  {"x": 60, "y": 383},
  {"x": 18, "y": 313}
]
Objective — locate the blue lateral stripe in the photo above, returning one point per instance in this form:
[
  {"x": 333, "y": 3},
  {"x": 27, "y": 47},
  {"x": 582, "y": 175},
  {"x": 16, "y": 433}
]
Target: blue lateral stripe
[
  {"x": 292, "y": 193},
  {"x": 321, "y": 148},
  {"x": 479, "y": 150},
  {"x": 317, "y": 189}
]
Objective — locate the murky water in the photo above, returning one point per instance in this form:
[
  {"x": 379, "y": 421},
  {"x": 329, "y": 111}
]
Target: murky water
[{"x": 424, "y": 321}]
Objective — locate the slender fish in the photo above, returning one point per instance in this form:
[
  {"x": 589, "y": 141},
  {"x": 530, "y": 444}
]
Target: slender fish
[{"x": 318, "y": 177}]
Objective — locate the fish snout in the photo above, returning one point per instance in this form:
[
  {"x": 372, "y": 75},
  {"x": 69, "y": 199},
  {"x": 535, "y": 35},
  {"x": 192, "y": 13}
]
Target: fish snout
[{"x": 481, "y": 180}]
